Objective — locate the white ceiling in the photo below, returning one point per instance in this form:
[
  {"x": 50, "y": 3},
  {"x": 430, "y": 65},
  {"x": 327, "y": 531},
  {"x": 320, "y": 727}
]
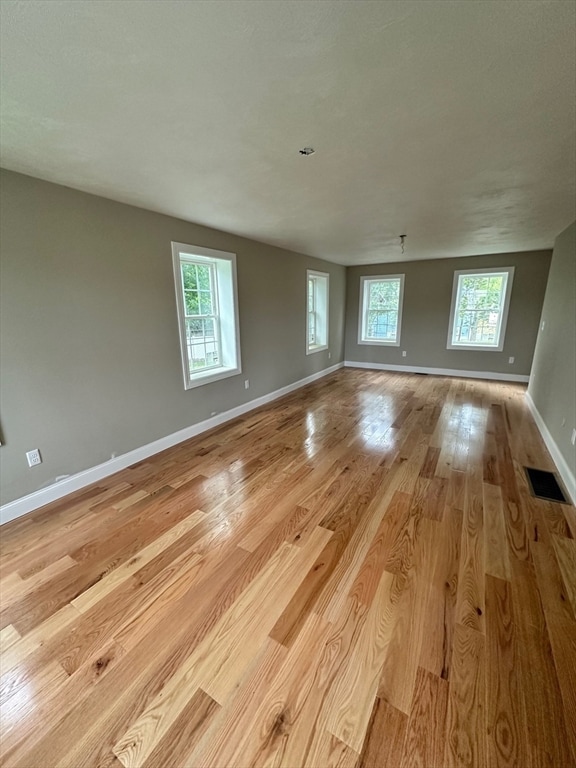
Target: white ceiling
[{"x": 451, "y": 122}]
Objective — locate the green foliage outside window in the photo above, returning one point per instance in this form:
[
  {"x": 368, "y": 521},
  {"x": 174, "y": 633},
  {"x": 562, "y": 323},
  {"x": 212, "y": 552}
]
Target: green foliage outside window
[
  {"x": 479, "y": 308},
  {"x": 382, "y": 314}
]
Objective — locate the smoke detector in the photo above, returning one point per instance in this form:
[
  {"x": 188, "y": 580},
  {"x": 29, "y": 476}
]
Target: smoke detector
[{"x": 306, "y": 151}]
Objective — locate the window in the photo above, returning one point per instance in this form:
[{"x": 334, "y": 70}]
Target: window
[
  {"x": 381, "y": 309},
  {"x": 206, "y": 297},
  {"x": 317, "y": 311},
  {"x": 480, "y": 299}
]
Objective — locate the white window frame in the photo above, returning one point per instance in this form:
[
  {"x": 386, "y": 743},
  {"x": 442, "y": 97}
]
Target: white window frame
[
  {"x": 225, "y": 294},
  {"x": 505, "y": 306},
  {"x": 321, "y": 310},
  {"x": 365, "y": 281}
]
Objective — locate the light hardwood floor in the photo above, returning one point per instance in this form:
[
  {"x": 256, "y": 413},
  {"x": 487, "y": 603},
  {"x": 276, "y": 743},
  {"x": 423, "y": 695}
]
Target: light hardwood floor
[{"x": 355, "y": 575}]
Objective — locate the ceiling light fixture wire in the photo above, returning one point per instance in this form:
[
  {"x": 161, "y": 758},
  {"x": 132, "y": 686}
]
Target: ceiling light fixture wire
[{"x": 402, "y": 238}]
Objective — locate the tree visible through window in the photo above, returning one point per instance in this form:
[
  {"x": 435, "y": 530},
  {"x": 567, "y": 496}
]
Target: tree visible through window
[
  {"x": 381, "y": 309},
  {"x": 479, "y": 308},
  {"x": 201, "y": 315}
]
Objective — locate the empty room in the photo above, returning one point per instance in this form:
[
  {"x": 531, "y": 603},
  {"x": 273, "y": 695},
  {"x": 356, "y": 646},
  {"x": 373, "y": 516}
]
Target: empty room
[{"x": 288, "y": 384}]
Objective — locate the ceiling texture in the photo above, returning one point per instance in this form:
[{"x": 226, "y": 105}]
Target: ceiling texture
[{"x": 450, "y": 122}]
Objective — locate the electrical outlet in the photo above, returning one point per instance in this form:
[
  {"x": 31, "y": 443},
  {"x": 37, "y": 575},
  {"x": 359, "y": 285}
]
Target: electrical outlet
[
  {"x": 247, "y": 384},
  {"x": 543, "y": 325},
  {"x": 34, "y": 457},
  {"x": 329, "y": 355},
  {"x": 404, "y": 353},
  {"x": 573, "y": 438},
  {"x": 510, "y": 360}
]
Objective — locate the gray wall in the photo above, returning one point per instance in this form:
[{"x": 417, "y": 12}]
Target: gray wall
[
  {"x": 553, "y": 380},
  {"x": 426, "y": 314},
  {"x": 89, "y": 344}
]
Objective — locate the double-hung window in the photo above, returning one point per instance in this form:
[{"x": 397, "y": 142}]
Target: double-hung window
[
  {"x": 317, "y": 311},
  {"x": 380, "y": 318},
  {"x": 206, "y": 297},
  {"x": 480, "y": 301}
]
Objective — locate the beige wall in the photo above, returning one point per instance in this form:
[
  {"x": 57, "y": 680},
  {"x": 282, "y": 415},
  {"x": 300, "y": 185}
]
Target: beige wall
[
  {"x": 89, "y": 347},
  {"x": 553, "y": 380},
  {"x": 425, "y": 317}
]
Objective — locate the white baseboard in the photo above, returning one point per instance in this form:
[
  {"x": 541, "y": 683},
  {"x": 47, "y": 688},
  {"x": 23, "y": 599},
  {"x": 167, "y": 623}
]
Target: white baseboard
[
  {"x": 567, "y": 475},
  {"x": 32, "y": 501},
  {"x": 440, "y": 371}
]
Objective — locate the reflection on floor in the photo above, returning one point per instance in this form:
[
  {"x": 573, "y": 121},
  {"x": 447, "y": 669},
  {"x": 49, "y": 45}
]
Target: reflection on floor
[{"x": 355, "y": 575}]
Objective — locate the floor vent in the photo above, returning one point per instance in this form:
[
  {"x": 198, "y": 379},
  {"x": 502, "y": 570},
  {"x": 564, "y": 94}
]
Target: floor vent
[{"x": 544, "y": 485}]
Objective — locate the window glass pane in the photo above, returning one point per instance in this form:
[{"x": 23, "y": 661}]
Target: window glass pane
[
  {"x": 202, "y": 343},
  {"x": 311, "y": 328},
  {"x": 476, "y": 328},
  {"x": 496, "y": 286},
  {"x": 197, "y": 356},
  {"x": 191, "y": 302},
  {"x": 481, "y": 292},
  {"x": 209, "y": 328},
  {"x": 194, "y": 329},
  {"x": 384, "y": 294},
  {"x": 204, "y": 282},
  {"x": 382, "y": 325},
  {"x": 212, "y": 346},
  {"x": 189, "y": 276},
  {"x": 206, "y": 303}
]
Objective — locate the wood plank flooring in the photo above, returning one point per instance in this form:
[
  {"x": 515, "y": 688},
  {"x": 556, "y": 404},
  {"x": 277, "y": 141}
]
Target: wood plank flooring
[{"x": 354, "y": 576}]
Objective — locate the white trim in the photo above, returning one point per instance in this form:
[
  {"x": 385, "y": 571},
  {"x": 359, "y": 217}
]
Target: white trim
[
  {"x": 440, "y": 371},
  {"x": 509, "y": 272},
  {"x": 364, "y": 279},
  {"x": 32, "y": 501},
  {"x": 564, "y": 470},
  {"x": 314, "y": 349}
]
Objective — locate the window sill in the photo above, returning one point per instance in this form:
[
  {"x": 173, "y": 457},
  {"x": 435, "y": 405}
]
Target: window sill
[
  {"x": 474, "y": 348},
  {"x": 210, "y": 376},
  {"x": 377, "y": 343},
  {"x": 312, "y": 350}
]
